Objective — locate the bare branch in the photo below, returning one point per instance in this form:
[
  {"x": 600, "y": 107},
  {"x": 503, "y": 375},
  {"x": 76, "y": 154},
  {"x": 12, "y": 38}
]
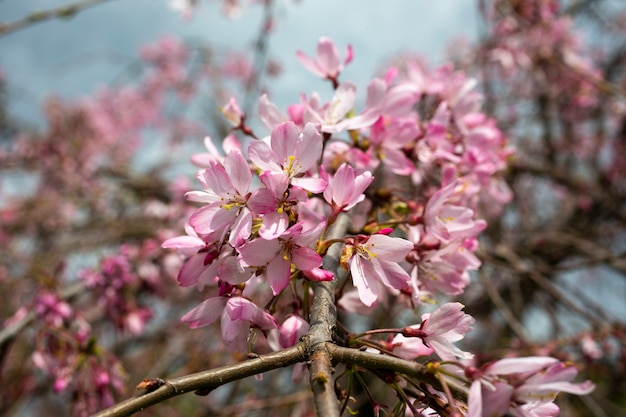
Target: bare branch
[
  {"x": 323, "y": 319},
  {"x": 62, "y": 12},
  {"x": 207, "y": 380}
]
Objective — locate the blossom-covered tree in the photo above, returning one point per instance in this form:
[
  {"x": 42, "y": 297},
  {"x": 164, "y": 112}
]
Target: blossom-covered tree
[{"x": 400, "y": 246}]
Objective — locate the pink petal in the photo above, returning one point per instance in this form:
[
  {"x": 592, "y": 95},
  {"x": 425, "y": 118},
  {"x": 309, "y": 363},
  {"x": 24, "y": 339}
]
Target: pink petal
[
  {"x": 269, "y": 113},
  {"x": 277, "y": 182},
  {"x": 238, "y": 171},
  {"x": 328, "y": 56},
  {"x": 343, "y": 185},
  {"x": 306, "y": 258},
  {"x": 263, "y": 156},
  {"x": 292, "y": 329},
  {"x": 262, "y": 201},
  {"x": 390, "y": 248},
  {"x": 318, "y": 274},
  {"x": 475, "y": 400},
  {"x": 241, "y": 228},
  {"x": 314, "y": 185},
  {"x": 308, "y": 149},
  {"x": 183, "y": 243},
  {"x": 310, "y": 64},
  {"x": 205, "y": 313},
  {"x": 229, "y": 270},
  {"x": 283, "y": 140},
  {"x": 510, "y": 366},
  {"x": 391, "y": 274},
  {"x": 211, "y": 218},
  {"x": 274, "y": 225},
  {"x": 278, "y": 274},
  {"x": 217, "y": 179},
  {"x": 362, "y": 274},
  {"x": 191, "y": 270},
  {"x": 397, "y": 161},
  {"x": 448, "y": 317},
  {"x": 259, "y": 252},
  {"x": 410, "y": 348}
]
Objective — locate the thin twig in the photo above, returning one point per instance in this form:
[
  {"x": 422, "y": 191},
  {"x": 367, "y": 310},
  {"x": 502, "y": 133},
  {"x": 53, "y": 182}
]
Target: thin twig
[
  {"x": 502, "y": 307},
  {"x": 62, "y": 12},
  {"x": 378, "y": 361}
]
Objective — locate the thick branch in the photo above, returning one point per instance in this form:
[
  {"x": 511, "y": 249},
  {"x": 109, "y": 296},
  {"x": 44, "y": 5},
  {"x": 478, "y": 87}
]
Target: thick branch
[
  {"x": 208, "y": 380},
  {"x": 323, "y": 319}
]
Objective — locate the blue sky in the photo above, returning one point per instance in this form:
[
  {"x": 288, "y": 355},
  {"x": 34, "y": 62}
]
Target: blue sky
[{"x": 71, "y": 58}]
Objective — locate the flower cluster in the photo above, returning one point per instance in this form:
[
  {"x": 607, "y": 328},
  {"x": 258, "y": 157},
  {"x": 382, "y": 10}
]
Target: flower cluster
[
  {"x": 415, "y": 169},
  {"x": 67, "y": 353},
  {"x": 263, "y": 218},
  {"x": 118, "y": 279}
]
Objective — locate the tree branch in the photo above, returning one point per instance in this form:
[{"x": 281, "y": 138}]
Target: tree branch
[
  {"x": 323, "y": 320},
  {"x": 62, "y": 12},
  {"x": 375, "y": 361},
  {"x": 207, "y": 380}
]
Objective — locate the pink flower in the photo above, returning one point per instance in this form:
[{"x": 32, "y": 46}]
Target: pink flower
[
  {"x": 52, "y": 310},
  {"x": 438, "y": 331},
  {"x": 328, "y": 63},
  {"x": 276, "y": 256},
  {"x": 226, "y": 192},
  {"x": 233, "y": 113},
  {"x": 448, "y": 221},
  {"x": 345, "y": 189},
  {"x": 203, "y": 160},
  {"x": 522, "y": 386},
  {"x": 237, "y": 314},
  {"x": 331, "y": 117},
  {"x": 238, "y": 317},
  {"x": 269, "y": 113},
  {"x": 391, "y": 101},
  {"x": 188, "y": 245},
  {"x": 275, "y": 202},
  {"x": 389, "y": 138},
  {"x": 439, "y": 267},
  {"x": 291, "y": 153},
  {"x": 375, "y": 259},
  {"x": 410, "y": 348},
  {"x": 543, "y": 386}
]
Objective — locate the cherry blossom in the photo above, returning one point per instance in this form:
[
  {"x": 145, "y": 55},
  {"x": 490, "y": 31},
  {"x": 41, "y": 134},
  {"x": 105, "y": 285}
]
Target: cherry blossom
[
  {"x": 345, "y": 189},
  {"x": 277, "y": 255},
  {"x": 374, "y": 259},
  {"x": 225, "y": 190},
  {"x": 237, "y": 314},
  {"x": 276, "y": 202},
  {"x": 327, "y": 63},
  {"x": 448, "y": 221},
  {"x": 292, "y": 153},
  {"x": 437, "y": 333},
  {"x": 525, "y": 386}
]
